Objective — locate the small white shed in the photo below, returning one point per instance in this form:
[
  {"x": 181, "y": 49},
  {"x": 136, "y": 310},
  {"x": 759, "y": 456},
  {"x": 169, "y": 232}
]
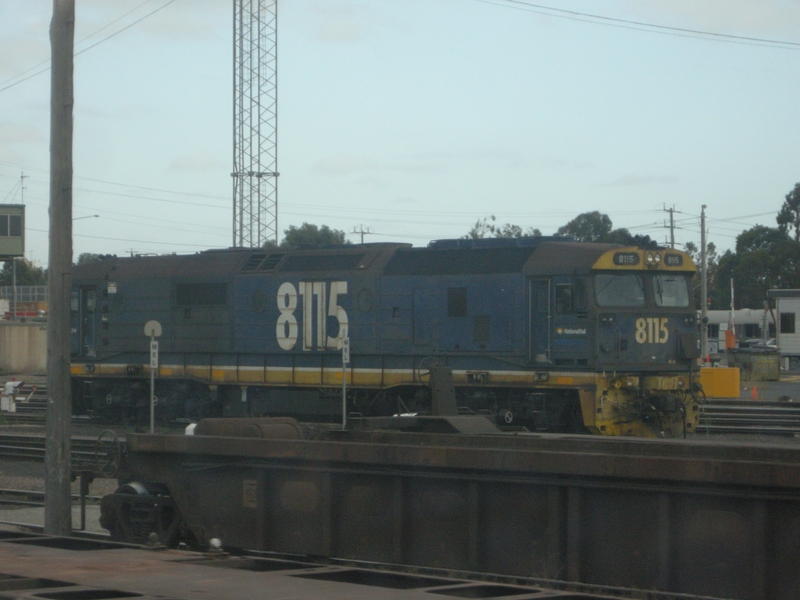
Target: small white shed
[{"x": 788, "y": 334}]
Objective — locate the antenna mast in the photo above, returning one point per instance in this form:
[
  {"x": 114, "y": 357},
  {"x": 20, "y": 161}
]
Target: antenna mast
[
  {"x": 255, "y": 122},
  {"x": 22, "y": 188}
]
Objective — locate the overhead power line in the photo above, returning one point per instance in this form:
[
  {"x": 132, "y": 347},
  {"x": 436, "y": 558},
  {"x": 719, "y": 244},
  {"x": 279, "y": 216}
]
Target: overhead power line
[
  {"x": 108, "y": 37},
  {"x": 118, "y": 239},
  {"x": 106, "y": 26},
  {"x": 139, "y": 20},
  {"x": 575, "y": 15}
]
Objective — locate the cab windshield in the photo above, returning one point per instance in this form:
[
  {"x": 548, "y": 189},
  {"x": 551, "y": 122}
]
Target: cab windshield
[
  {"x": 670, "y": 290},
  {"x": 619, "y": 289}
]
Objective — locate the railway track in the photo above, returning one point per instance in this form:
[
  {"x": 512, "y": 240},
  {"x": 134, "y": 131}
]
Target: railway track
[
  {"x": 31, "y": 498},
  {"x": 98, "y": 454},
  {"x": 716, "y": 417},
  {"x": 750, "y": 417},
  {"x": 31, "y": 407}
]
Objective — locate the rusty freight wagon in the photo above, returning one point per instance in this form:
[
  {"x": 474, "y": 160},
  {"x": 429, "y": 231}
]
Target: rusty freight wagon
[{"x": 695, "y": 517}]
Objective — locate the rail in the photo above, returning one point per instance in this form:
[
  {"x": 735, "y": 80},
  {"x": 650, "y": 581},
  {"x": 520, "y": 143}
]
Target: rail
[
  {"x": 11, "y": 497},
  {"x": 750, "y": 417},
  {"x": 100, "y": 455}
]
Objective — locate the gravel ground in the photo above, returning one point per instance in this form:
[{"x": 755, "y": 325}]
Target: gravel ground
[
  {"x": 785, "y": 390},
  {"x": 29, "y": 476}
]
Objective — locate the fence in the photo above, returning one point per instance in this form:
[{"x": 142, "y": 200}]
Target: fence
[{"x": 25, "y": 293}]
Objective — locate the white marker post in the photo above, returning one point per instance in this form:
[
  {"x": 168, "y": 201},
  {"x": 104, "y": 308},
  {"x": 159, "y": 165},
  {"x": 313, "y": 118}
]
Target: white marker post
[
  {"x": 345, "y": 360},
  {"x": 153, "y": 330}
]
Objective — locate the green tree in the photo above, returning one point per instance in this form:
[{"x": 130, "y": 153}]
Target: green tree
[
  {"x": 27, "y": 274},
  {"x": 711, "y": 254},
  {"x": 786, "y": 258},
  {"x": 622, "y": 236},
  {"x": 587, "y": 227},
  {"x": 87, "y": 257},
  {"x": 712, "y": 261},
  {"x": 719, "y": 290},
  {"x": 486, "y": 227},
  {"x": 310, "y": 235},
  {"x": 765, "y": 258},
  {"x": 597, "y": 227},
  {"x": 789, "y": 215},
  {"x": 753, "y": 275},
  {"x": 759, "y": 237},
  {"x": 483, "y": 228}
]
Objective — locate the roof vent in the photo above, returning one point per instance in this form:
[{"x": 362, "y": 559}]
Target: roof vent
[
  {"x": 252, "y": 263},
  {"x": 271, "y": 262}
]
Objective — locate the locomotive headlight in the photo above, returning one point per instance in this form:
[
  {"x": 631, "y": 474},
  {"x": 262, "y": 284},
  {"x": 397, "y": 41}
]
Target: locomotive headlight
[
  {"x": 653, "y": 259},
  {"x": 688, "y": 320}
]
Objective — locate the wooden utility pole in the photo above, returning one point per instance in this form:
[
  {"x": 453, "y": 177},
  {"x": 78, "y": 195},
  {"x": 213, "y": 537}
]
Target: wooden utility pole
[{"x": 57, "y": 506}]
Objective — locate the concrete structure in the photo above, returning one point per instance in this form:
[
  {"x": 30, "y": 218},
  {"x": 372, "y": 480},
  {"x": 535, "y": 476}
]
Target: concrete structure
[{"x": 23, "y": 347}]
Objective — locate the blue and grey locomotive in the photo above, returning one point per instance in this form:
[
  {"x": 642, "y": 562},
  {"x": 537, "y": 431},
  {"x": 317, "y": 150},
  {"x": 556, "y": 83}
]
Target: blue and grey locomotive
[{"x": 539, "y": 332}]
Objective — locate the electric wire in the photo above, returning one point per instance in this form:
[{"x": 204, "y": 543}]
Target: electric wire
[
  {"x": 108, "y": 37},
  {"x": 119, "y": 239},
  {"x": 319, "y": 209},
  {"x": 78, "y": 43},
  {"x": 13, "y": 191},
  {"x": 303, "y": 210},
  {"x": 167, "y": 224},
  {"x": 641, "y": 25}
]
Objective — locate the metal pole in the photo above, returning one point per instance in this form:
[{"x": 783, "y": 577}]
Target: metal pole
[
  {"x": 733, "y": 318},
  {"x": 58, "y": 424},
  {"x": 152, "y": 387},
  {"x": 703, "y": 287},
  {"x": 84, "y": 483},
  {"x": 344, "y": 396},
  {"x": 14, "y": 288},
  {"x": 345, "y": 360}
]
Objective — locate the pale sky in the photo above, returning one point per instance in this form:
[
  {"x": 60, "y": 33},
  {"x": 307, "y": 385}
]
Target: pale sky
[{"x": 414, "y": 118}]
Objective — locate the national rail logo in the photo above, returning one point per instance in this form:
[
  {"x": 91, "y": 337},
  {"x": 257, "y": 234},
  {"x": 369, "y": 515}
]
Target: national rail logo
[{"x": 571, "y": 331}]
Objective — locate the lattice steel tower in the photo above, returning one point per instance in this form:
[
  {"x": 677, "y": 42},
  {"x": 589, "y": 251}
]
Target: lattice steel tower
[{"x": 255, "y": 122}]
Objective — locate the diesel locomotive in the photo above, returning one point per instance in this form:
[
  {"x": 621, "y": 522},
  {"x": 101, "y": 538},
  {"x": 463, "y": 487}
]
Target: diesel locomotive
[{"x": 539, "y": 332}]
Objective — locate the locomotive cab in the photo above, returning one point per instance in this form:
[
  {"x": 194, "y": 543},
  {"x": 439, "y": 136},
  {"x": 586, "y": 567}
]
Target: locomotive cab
[
  {"x": 646, "y": 336},
  {"x": 613, "y": 330}
]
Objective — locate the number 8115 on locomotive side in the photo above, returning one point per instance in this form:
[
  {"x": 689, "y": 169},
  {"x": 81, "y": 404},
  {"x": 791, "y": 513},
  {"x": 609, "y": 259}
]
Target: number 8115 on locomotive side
[{"x": 318, "y": 315}]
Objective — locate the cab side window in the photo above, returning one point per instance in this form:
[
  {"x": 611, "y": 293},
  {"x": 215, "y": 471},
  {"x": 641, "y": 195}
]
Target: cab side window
[{"x": 570, "y": 298}]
